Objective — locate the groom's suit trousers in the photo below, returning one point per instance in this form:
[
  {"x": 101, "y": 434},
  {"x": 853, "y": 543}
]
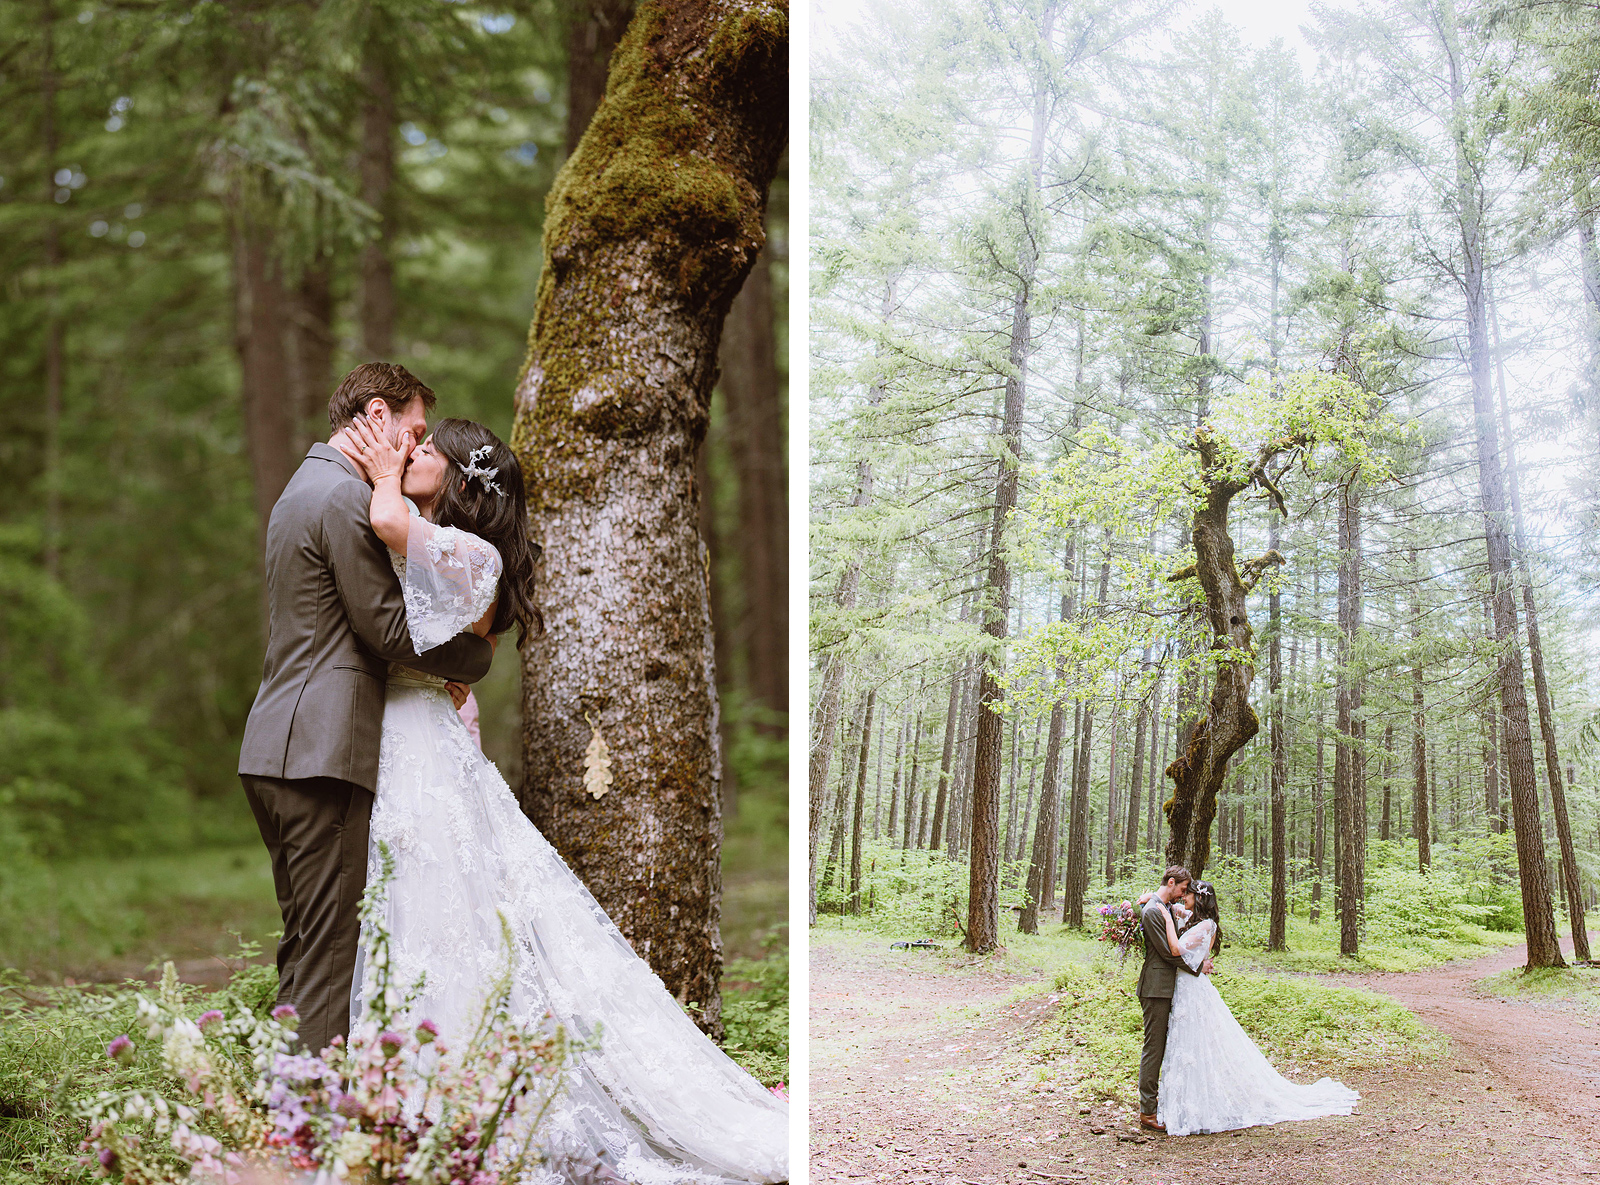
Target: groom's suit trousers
[
  {"x": 1157, "y": 1011},
  {"x": 315, "y": 830}
]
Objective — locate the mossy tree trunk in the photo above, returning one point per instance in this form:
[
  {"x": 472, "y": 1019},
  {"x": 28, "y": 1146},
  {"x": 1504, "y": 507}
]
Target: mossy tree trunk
[
  {"x": 651, "y": 227},
  {"x": 1230, "y": 722}
]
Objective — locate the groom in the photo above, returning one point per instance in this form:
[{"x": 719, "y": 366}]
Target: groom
[
  {"x": 1157, "y": 980},
  {"x": 309, "y": 761}
]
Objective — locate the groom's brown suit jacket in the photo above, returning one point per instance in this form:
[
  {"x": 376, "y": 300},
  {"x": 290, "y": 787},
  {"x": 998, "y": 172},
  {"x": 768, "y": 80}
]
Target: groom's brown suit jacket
[
  {"x": 336, "y": 621},
  {"x": 1159, "y": 975}
]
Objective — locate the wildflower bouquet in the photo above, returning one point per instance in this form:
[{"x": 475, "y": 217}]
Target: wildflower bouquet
[
  {"x": 387, "y": 1105},
  {"x": 1119, "y": 925}
]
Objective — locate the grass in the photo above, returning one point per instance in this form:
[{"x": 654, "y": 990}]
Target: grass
[
  {"x": 104, "y": 920},
  {"x": 1577, "y": 988},
  {"x": 1304, "y": 1026},
  {"x": 109, "y": 918},
  {"x": 1315, "y": 948}
]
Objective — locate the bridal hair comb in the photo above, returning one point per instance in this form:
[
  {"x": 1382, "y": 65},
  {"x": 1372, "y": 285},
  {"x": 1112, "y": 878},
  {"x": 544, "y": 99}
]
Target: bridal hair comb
[{"x": 483, "y": 473}]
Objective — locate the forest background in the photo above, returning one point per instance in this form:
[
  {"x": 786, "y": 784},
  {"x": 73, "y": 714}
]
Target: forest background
[
  {"x": 1052, "y": 240},
  {"x": 208, "y": 213}
]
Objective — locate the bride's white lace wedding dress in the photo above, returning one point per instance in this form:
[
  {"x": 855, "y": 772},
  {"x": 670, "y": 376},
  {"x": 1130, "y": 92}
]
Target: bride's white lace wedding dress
[
  {"x": 658, "y": 1103},
  {"x": 1214, "y": 1078}
]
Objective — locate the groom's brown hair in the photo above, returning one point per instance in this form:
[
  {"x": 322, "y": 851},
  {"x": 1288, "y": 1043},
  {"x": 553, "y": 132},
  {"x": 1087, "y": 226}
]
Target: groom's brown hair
[
  {"x": 392, "y": 383},
  {"x": 1177, "y": 873}
]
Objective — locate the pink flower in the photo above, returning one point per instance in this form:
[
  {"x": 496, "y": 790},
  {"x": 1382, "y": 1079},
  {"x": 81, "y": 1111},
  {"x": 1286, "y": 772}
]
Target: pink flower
[
  {"x": 392, "y": 1043},
  {"x": 207, "y": 1017},
  {"x": 781, "y": 1090},
  {"x": 285, "y": 1012},
  {"x": 121, "y": 1051},
  {"x": 427, "y": 1031}
]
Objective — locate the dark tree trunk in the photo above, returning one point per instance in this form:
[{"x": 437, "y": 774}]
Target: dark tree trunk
[
  {"x": 1544, "y": 947},
  {"x": 1319, "y": 809},
  {"x": 261, "y": 329},
  {"x": 1349, "y": 823},
  {"x": 1041, "y": 863},
  {"x": 951, "y": 721},
  {"x": 1130, "y": 832},
  {"x": 1278, "y": 919},
  {"x": 610, "y": 413},
  {"x": 1568, "y": 867},
  {"x": 1230, "y": 722},
  {"x": 861, "y": 799},
  {"x": 55, "y": 351},
  {"x": 750, "y": 384},
  {"x": 378, "y": 123},
  {"x": 311, "y": 343},
  {"x": 894, "y": 782},
  {"x": 1076, "y": 885},
  {"x": 1491, "y": 741},
  {"x": 596, "y": 27},
  {"x": 911, "y": 782}
]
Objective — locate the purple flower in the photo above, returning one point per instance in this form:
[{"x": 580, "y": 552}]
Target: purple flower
[
  {"x": 284, "y": 1013},
  {"x": 108, "y": 1160},
  {"x": 207, "y": 1017},
  {"x": 427, "y": 1032},
  {"x": 121, "y": 1051},
  {"x": 392, "y": 1043}
]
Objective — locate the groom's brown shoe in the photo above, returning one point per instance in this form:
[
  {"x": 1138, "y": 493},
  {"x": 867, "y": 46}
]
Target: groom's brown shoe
[{"x": 1151, "y": 1124}]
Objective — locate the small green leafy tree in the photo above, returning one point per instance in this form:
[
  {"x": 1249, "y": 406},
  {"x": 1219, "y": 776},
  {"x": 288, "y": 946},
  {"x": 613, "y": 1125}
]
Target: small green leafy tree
[{"x": 1195, "y": 612}]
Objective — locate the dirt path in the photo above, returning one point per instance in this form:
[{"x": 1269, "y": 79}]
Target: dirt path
[{"x": 921, "y": 1074}]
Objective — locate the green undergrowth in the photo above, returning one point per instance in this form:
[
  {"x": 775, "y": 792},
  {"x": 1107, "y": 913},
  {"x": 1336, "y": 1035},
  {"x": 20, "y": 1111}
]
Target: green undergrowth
[
  {"x": 105, "y": 918},
  {"x": 1314, "y": 947},
  {"x": 53, "y": 1057},
  {"x": 53, "y": 1051},
  {"x": 755, "y": 1015},
  {"x": 1305, "y": 1027},
  {"x": 1571, "y": 987}
]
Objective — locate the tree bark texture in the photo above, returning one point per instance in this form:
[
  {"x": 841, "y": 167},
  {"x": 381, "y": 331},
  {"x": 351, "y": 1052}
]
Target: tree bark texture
[
  {"x": 1349, "y": 823},
  {"x": 750, "y": 385},
  {"x": 1279, "y": 909},
  {"x": 596, "y": 27},
  {"x": 1541, "y": 686},
  {"x": 651, "y": 227},
  {"x": 54, "y": 328},
  {"x": 260, "y": 332},
  {"x": 941, "y": 798},
  {"x": 1230, "y": 722},
  {"x": 1544, "y": 948},
  {"x": 861, "y": 801},
  {"x": 1041, "y": 863}
]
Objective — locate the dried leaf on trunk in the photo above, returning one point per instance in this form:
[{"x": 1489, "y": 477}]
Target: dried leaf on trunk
[{"x": 596, "y": 763}]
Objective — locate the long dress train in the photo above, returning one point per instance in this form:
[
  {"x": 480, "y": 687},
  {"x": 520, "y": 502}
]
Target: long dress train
[
  {"x": 1214, "y": 1077},
  {"x": 657, "y": 1103}
]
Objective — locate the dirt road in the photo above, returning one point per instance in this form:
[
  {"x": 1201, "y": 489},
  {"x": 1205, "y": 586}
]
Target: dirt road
[{"x": 921, "y": 1074}]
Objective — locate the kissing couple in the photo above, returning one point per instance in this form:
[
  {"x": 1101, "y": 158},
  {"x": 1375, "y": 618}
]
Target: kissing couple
[
  {"x": 395, "y": 559},
  {"x": 1207, "y": 1073}
]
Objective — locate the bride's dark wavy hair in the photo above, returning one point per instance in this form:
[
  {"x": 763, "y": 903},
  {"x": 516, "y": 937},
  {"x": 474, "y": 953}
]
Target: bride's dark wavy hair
[
  {"x": 468, "y": 504},
  {"x": 1205, "y": 909}
]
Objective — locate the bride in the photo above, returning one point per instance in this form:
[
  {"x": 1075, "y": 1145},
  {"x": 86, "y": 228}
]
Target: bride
[
  {"x": 1214, "y": 1078},
  {"x": 657, "y": 1102}
]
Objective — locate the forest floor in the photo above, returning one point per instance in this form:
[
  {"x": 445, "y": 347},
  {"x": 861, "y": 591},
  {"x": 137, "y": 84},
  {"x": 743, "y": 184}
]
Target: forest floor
[{"x": 925, "y": 1071}]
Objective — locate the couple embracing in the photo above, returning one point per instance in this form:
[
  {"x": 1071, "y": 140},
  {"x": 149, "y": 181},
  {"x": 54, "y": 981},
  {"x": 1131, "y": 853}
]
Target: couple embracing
[
  {"x": 1199, "y": 1070},
  {"x": 395, "y": 559}
]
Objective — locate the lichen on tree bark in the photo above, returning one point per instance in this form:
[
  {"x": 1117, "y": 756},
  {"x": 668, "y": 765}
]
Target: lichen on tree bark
[{"x": 650, "y": 229}]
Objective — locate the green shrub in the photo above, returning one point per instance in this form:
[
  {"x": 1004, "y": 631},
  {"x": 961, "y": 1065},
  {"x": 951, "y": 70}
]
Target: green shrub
[
  {"x": 84, "y": 773},
  {"x": 1303, "y": 1025},
  {"x": 755, "y": 1018}
]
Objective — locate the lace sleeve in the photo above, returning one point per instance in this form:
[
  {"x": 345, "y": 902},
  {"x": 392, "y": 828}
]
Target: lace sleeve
[
  {"x": 451, "y": 579},
  {"x": 1196, "y": 944}
]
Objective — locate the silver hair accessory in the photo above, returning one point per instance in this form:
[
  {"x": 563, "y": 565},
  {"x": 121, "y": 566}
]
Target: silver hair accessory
[{"x": 482, "y": 473}]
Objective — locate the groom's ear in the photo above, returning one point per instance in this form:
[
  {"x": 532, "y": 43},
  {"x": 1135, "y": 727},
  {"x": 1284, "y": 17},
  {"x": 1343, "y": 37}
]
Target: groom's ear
[{"x": 377, "y": 410}]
